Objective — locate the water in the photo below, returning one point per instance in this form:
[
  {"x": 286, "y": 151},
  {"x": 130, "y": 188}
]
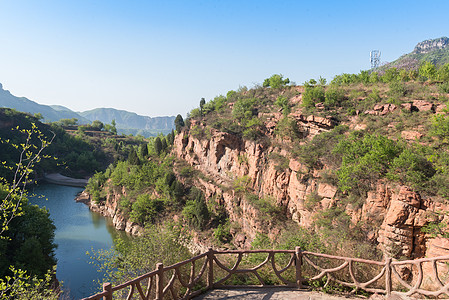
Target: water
[{"x": 78, "y": 230}]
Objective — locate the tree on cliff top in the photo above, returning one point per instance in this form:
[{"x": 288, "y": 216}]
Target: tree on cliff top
[
  {"x": 276, "y": 81},
  {"x": 179, "y": 123}
]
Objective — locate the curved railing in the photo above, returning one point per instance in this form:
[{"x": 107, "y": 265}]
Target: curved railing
[{"x": 290, "y": 268}]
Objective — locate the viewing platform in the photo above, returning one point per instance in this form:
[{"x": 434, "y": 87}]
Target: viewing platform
[{"x": 285, "y": 274}]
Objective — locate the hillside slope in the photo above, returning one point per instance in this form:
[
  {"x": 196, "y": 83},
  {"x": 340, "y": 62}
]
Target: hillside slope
[
  {"x": 23, "y": 104},
  {"x": 351, "y": 169},
  {"x": 435, "y": 51}
]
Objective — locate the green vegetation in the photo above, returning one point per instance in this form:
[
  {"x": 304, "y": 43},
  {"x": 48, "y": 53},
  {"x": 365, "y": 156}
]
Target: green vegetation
[
  {"x": 26, "y": 232},
  {"x": 127, "y": 260},
  {"x": 276, "y": 81}
]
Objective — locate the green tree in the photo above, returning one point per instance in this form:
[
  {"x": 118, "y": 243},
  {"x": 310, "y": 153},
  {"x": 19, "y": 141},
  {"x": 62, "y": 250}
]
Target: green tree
[
  {"x": 144, "y": 151},
  {"x": 29, "y": 242},
  {"x": 97, "y": 125},
  {"x": 158, "y": 145},
  {"x": 132, "y": 157},
  {"x": 29, "y": 155},
  {"x": 179, "y": 123},
  {"x": 196, "y": 211},
  {"x": 127, "y": 260},
  {"x": 68, "y": 122},
  {"x": 313, "y": 95},
  {"x": 427, "y": 71},
  {"x": 39, "y": 116},
  {"x": 276, "y": 81},
  {"x": 202, "y": 102}
]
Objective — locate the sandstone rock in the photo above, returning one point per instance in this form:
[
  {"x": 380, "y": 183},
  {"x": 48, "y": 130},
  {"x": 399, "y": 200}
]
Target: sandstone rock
[
  {"x": 410, "y": 197},
  {"x": 423, "y": 105},
  {"x": 326, "y": 190},
  {"x": 411, "y": 135},
  {"x": 319, "y": 105},
  {"x": 440, "y": 108},
  {"x": 407, "y": 107},
  {"x": 296, "y": 99},
  {"x": 381, "y": 109}
]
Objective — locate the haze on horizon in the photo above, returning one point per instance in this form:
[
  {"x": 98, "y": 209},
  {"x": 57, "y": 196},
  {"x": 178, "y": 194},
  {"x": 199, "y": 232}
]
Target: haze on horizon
[{"x": 160, "y": 58}]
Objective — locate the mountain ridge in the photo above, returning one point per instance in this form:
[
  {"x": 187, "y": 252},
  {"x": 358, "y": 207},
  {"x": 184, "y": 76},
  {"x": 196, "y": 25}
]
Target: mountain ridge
[
  {"x": 126, "y": 122},
  {"x": 435, "y": 51}
]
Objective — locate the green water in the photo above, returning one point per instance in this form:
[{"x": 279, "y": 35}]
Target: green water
[{"x": 78, "y": 230}]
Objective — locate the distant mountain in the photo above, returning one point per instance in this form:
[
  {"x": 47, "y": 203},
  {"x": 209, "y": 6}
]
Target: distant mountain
[
  {"x": 128, "y": 122},
  {"x": 49, "y": 113},
  {"x": 433, "y": 50}
]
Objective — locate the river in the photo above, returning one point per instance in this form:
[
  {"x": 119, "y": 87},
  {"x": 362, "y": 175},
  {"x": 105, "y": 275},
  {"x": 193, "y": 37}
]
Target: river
[{"x": 78, "y": 230}]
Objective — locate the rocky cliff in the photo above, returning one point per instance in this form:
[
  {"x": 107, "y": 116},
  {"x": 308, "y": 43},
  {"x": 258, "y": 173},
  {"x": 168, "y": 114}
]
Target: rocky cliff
[
  {"x": 431, "y": 45},
  {"x": 395, "y": 211},
  {"x": 109, "y": 208}
]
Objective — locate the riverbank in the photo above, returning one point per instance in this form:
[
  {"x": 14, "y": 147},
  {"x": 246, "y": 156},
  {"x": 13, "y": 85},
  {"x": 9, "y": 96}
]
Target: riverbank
[{"x": 57, "y": 178}]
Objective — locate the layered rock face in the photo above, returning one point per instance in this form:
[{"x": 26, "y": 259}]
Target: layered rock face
[
  {"x": 430, "y": 45},
  {"x": 109, "y": 208},
  {"x": 398, "y": 212}
]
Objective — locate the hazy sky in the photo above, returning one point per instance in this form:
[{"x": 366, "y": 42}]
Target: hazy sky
[{"x": 161, "y": 57}]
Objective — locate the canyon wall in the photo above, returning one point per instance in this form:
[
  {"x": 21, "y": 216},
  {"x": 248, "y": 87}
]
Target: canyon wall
[{"x": 396, "y": 212}]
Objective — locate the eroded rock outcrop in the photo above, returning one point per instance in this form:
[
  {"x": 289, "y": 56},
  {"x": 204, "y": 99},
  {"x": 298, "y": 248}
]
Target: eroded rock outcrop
[
  {"x": 109, "y": 208},
  {"x": 396, "y": 213}
]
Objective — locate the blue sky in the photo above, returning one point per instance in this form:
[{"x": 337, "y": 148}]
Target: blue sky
[{"x": 161, "y": 57}]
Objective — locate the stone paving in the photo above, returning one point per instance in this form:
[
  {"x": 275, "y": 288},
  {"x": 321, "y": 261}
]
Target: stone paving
[{"x": 268, "y": 293}]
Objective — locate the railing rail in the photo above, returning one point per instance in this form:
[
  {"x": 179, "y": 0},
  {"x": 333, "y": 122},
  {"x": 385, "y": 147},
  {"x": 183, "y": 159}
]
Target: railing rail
[{"x": 173, "y": 283}]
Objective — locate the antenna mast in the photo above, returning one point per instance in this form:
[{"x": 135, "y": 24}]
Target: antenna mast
[{"x": 375, "y": 59}]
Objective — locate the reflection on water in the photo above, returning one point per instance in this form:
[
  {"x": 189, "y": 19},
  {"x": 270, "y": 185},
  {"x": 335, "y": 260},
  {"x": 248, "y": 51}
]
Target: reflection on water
[{"x": 78, "y": 230}]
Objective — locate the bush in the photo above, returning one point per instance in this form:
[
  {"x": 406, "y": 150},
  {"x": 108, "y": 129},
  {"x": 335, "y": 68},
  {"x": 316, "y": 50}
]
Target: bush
[
  {"x": 316, "y": 153},
  {"x": 196, "y": 211},
  {"x": 276, "y": 81},
  {"x": 412, "y": 168},
  {"x": 287, "y": 127},
  {"x": 334, "y": 97},
  {"x": 145, "y": 209},
  {"x": 364, "y": 160},
  {"x": 313, "y": 95},
  {"x": 444, "y": 88},
  {"x": 440, "y": 126},
  {"x": 397, "y": 89},
  {"x": 244, "y": 109},
  {"x": 282, "y": 102}
]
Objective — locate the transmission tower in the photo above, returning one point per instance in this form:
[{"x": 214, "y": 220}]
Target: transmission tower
[{"x": 375, "y": 59}]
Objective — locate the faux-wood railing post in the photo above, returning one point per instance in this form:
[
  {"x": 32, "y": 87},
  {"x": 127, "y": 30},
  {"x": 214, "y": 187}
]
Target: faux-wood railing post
[
  {"x": 107, "y": 287},
  {"x": 298, "y": 265},
  {"x": 210, "y": 273},
  {"x": 388, "y": 277},
  {"x": 159, "y": 281}
]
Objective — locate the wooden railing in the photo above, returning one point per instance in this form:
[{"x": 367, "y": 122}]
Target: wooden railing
[{"x": 299, "y": 269}]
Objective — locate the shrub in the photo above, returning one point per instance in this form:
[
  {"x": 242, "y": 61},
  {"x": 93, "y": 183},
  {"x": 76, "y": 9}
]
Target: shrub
[
  {"x": 312, "y": 201},
  {"x": 316, "y": 152},
  {"x": 440, "y": 126},
  {"x": 412, "y": 168},
  {"x": 282, "y": 102},
  {"x": 364, "y": 160},
  {"x": 276, "y": 81},
  {"x": 313, "y": 95},
  {"x": 145, "y": 209},
  {"x": 241, "y": 184},
  {"x": 222, "y": 233},
  {"x": 287, "y": 127},
  {"x": 444, "y": 88},
  {"x": 334, "y": 97},
  {"x": 397, "y": 89},
  {"x": 196, "y": 211}
]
